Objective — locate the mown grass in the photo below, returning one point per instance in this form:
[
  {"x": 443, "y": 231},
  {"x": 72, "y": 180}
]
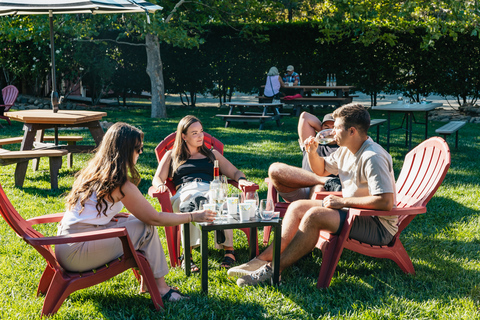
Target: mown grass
[{"x": 443, "y": 243}]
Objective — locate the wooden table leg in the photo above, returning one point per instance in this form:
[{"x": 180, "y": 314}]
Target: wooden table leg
[
  {"x": 27, "y": 144},
  {"x": 253, "y": 243},
  {"x": 388, "y": 131},
  {"x": 96, "y": 131}
]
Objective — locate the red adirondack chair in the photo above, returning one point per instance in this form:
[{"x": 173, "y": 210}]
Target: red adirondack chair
[
  {"x": 422, "y": 173},
  {"x": 10, "y": 94},
  {"x": 173, "y": 233},
  {"x": 58, "y": 283}
]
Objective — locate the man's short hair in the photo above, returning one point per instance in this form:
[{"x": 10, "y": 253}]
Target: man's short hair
[{"x": 354, "y": 115}]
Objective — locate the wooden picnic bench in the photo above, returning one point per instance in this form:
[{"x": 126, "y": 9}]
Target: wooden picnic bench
[
  {"x": 310, "y": 101},
  {"x": 8, "y": 157},
  {"x": 270, "y": 113},
  {"x": 449, "y": 128},
  {"x": 71, "y": 141}
]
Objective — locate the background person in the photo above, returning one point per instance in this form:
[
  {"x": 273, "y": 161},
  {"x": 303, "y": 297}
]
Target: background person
[
  {"x": 291, "y": 76},
  {"x": 190, "y": 165},
  {"x": 366, "y": 172},
  {"x": 293, "y": 183},
  {"x": 101, "y": 189},
  {"x": 273, "y": 84}
]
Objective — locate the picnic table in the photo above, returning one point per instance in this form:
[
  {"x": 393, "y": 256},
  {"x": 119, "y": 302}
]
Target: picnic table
[
  {"x": 408, "y": 110},
  {"x": 36, "y": 121},
  {"x": 270, "y": 112},
  {"x": 341, "y": 95}
]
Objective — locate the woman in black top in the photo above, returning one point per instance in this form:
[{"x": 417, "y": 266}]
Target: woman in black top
[{"x": 190, "y": 165}]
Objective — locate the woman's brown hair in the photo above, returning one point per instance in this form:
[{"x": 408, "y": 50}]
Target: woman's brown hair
[
  {"x": 112, "y": 166},
  {"x": 180, "y": 152}
]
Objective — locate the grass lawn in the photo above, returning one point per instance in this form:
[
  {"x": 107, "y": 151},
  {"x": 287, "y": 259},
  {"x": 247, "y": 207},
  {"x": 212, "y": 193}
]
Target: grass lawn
[{"x": 444, "y": 243}]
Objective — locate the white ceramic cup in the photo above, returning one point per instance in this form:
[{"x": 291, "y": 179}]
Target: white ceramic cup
[
  {"x": 290, "y": 84},
  {"x": 244, "y": 209},
  {"x": 253, "y": 208},
  {"x": 210, "y": 206},
  {"x": 232, "y": 203}
]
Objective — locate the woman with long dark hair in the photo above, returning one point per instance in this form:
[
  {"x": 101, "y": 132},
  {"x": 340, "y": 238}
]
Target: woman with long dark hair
[{"x": 107, "y": 184}]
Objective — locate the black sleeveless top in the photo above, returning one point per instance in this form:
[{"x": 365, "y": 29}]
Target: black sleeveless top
[{"x": 193, "y": 169}]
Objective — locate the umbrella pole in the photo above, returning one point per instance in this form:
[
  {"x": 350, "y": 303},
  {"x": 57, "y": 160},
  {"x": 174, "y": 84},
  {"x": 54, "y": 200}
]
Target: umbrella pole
[{"x": 54, "y": 98}]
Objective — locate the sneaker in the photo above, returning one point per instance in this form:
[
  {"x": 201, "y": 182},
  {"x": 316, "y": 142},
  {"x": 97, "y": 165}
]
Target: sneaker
[
  {"x": 246, "y": 268},
  {"x": 263, "y": 274}
]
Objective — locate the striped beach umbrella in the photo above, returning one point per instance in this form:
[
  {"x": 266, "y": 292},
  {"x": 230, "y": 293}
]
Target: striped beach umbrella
[{"x": 51, "y": 7}]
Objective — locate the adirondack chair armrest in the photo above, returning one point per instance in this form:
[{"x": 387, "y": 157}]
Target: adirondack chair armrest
[
  {"x": 320, "y": 195},
  {"x": 394, "y": 212},
  {"x": 162, "y": 197},
  {"x": 48, "y": 218},
  {"x": 80, "y": 237}
]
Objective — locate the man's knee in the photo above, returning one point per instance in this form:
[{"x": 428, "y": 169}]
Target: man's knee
[{"x": 275, "y": 170}]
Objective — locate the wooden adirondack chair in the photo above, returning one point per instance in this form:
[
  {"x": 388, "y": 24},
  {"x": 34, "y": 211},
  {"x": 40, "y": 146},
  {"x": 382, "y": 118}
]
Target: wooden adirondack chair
[
  {"x": 422, "y": 173},
  {"x": 10, "y": 94},
  {"x": 58, "y": 283},
  {"x": 173, "y": 233}
]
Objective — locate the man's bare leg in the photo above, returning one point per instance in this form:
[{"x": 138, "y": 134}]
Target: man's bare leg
[
  {"x": 290, "y": 225},
  {"x": 286, "y": 178},
  {"x": 304, "y": 241}
]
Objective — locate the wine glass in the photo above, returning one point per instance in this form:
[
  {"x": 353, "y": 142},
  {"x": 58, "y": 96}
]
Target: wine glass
[
  {"x": 266, "y": 209},
  {"x": 325, "y": 136}
]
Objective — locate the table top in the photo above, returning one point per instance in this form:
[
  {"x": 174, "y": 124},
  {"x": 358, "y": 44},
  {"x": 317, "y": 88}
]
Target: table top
[
  {"x": 61, "y": 117},
  {"x": 234, "y": 222},
  {"x": 252, "y": 104},
  {"x": 403, "y": 107}
]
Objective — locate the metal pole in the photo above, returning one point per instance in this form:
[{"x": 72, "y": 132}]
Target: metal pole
[{"x": 54, "y": 97}]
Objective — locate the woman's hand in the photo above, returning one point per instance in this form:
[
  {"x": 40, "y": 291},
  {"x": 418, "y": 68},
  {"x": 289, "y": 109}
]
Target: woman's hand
[
  {"x": 162, "y": 188},
  {"x": 311, "y": 144},
  {"x": 122, "y": 215},
  {"x": 204, "y": 215},
  {"x": 245, "y": 183}
]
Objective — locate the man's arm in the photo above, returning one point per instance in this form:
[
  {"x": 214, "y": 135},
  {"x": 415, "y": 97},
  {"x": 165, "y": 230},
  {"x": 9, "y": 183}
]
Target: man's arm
[
  {"x": 382, "y": 202},
  {"x": 317, "y": 163}
]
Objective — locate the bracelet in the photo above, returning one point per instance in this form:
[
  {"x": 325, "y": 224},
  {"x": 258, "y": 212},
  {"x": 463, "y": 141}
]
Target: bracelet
[
  {"x": 241, "y": 178},
  {"x": 159, "y": 185},
  {"x": 191, "y": 217}
]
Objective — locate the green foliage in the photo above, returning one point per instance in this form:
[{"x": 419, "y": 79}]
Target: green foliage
[{"x": 443, "y": 243}]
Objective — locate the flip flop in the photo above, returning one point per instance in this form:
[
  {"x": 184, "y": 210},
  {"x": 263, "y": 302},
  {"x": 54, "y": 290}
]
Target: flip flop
[{"x": 167, "y": 296}]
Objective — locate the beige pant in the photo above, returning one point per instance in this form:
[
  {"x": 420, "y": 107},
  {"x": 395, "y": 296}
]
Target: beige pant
[{"x": 85, "y": 256}]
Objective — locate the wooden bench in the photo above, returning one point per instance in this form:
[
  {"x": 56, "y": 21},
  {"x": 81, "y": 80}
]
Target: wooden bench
[
  {"x": 71, "y": 141},
  {"x": 245, "y": 118},
  {"x": 55, "y": 158},
  {"x": 449, "y": 128},
  {"x": 377, "y": 123}
]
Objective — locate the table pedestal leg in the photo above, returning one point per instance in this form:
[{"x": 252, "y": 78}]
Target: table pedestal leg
[
  {"x": 204, "y": 266},
  {"x": 186, "y": 250},
  {"x": 277, "y": 234}
]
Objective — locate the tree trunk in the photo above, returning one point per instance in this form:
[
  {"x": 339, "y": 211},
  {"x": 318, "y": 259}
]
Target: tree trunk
[{"x": 155, "y": 72}]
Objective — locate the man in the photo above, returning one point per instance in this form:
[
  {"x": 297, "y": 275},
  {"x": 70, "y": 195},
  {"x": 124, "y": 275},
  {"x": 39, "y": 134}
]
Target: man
[
  {"x": 366, "y": 172},
  {"x": 291, "y": 76},
  {"x": 293, "y": 183}
]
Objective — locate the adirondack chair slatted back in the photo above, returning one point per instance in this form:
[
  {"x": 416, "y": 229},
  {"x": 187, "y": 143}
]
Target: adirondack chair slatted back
[
  {"x": 423, "y": 171},
  {"x": 169, "y": 141},
  {"x": 23, "y": 228},
  {"x": 9, "y": 94}
]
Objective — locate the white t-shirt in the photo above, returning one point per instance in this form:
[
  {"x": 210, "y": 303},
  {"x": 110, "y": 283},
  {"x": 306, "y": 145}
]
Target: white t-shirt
[
  {"x": 90, "y": 214},
  {"x": 272, "y": 86},
  {"x": 367, "y": 172}
]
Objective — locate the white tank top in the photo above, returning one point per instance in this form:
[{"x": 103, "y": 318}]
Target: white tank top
[{"x": 90, "y": 214}]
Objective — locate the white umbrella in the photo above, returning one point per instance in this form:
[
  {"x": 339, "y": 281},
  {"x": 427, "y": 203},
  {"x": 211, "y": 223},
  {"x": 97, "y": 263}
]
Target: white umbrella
[{"x": 51, "y": 7}]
